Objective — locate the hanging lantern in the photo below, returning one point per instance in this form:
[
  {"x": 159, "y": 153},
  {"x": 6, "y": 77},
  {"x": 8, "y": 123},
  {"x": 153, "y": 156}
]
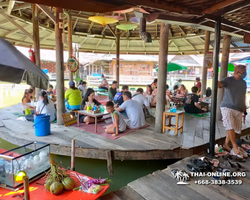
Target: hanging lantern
[
  {"x": 126, "y": 27},
  {"x": 103, "y": 20}
]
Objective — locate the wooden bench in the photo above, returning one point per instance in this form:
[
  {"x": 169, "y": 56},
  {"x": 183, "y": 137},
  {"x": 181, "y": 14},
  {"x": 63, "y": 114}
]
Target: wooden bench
[{"x": 176, "y": 126}]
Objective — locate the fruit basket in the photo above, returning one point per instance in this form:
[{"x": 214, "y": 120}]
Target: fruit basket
[{"x": 31, "y": 159}]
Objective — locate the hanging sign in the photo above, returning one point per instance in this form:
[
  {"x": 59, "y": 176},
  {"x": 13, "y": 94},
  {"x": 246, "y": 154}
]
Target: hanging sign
[
  {"x": 72, "y": 64},
  {"x": 209, "y": 60}
]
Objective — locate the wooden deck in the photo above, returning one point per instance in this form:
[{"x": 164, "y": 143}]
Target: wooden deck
[
  {"x": 143, "y": 144},
  {"x": 162, "y": 186}
]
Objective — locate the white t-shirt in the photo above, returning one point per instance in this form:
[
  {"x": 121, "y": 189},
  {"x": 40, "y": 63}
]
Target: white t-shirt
[
  {"x": 141, "y": 99},
  {"x": 48, "y": 109},
  {"x": 135, "y": 113}
]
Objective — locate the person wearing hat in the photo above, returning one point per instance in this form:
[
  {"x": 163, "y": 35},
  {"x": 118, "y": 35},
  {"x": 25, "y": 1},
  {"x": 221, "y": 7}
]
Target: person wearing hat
[
  {"x": 104, "y": 84},
  {"x": 198, "y": 83},
  {"x": 73, "y": 97}
]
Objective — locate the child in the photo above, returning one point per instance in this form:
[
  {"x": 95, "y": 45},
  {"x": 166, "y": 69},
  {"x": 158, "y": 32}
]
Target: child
[
  {"x": 119, "y": 125},
  {"x": 191, "y": 102}
]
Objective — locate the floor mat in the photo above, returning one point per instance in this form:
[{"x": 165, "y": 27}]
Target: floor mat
[
  {"x": 101, "y": 126},
  {"x": 201, "y": 115}
]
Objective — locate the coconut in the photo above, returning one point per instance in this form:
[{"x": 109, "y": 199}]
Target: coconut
[
  {"x": 68, "y": 183},
  {"x": 56, "y": 188}
]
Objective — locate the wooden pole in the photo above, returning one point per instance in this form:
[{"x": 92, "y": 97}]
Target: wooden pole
[
  {"x": 224, "y": 69},
  {"x": 117, "y": 72},
  {"x": 59, "y": 68},
  {"x": 26, "y": 188},
  {"x": 73, "y": 147},
  {"x": 162, "y": 76},
  {"x": 70, "y": 48},
  {"x": 110, "y": 163},
  {"x": 36, "y": 40},
  {"x": 215, "y": 84},
  {"x": 204, "y": 69}
]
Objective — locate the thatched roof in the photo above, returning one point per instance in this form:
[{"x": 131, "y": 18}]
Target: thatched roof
[{"x": 189, "y": 19}]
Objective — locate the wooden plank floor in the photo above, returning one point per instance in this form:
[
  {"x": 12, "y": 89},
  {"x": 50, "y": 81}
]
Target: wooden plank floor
[
  {"x": 162, "y": 186},
  {"x": 142, "y": 144}
]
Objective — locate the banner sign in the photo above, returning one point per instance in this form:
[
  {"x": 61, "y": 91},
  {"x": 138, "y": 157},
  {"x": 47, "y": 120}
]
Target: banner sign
[
  {"x": 72, "y": 64},
  {"x": 209, "y": 60}
]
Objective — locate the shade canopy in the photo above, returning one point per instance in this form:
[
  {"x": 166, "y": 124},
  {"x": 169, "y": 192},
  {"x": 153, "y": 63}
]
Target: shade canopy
[
  {"x": 103, "y": 20},
  {"x": 15, "y": 67},
  {"x": 126, "y": 27},
  {"x": 174, "y": 67},
  {"x": 229, "y": 69}
]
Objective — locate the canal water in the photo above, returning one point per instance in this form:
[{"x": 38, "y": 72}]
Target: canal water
[{"x": 124, "y": 171}]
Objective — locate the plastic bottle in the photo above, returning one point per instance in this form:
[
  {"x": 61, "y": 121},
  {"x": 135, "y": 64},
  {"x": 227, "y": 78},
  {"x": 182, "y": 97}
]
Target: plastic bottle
[{"x": 174, "y": 108}]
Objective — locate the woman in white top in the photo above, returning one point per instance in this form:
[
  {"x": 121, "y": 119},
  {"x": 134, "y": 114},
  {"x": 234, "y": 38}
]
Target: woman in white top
[{"x": 46, "y": 106}]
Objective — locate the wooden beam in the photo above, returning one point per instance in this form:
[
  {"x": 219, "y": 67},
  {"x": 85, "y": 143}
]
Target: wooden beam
[
  {"x": 175, "y": 45},
  {"x": 112, "y": 44},
  {"x": 16, "y": 24},
  {"x": 204, "y": 69},
  {"x": 224, "y": 69},
  {"x": 36, "y": 40},
  {"x": 59, "y": 68},
  {"x": 21, "y": 7},
  {"x": 11, "y": 6},
  {"x": 189, "y": 43},
  {"x": 98, "y": 43},
  {"x": 219, "y": 6},
  {"x": 74, "y": 26},
  {"x": 70, "y": 48},
  {"x": 162, "y": 77},
  {"x": 111, "y": 30},
  {"x": 164, "y": 6},
  {"x": 117, "y": 71},
  {"x": 16, "y": 30},
  {"x": 232, "y": 8},
  {"x": 83, "y": 41},
  {"x": 182, "y": 30},
  {"x": 47, "y": 12}
]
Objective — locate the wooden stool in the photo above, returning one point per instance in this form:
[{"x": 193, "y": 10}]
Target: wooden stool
[{"x": 176, "y": 126}]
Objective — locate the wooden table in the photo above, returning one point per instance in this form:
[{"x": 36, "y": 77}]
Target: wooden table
[
  {"x": 84, "y": 112},
  {"x": 169, "y": 126}
]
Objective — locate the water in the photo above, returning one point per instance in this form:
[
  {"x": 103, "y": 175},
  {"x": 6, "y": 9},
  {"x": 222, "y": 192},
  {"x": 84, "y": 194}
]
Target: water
[{"x": 124, "y": 171}]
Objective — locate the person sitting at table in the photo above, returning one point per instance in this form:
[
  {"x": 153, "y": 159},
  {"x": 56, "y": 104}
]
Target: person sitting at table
[
  {"x": 149, "y": 91},
  {"x": 154, "y": 84},
  {"x": 27, "y": 99},
  {"x": 89, "y": 97},
  {"x": 182, "y": 92},
  {"x": 33, "y": 95},
  {"x": 104, "y": 84},
  {"x": 83, "y": 87},
  {"x": 208, "y": 92},
  {"x": 191, "y": 104},
  {"x": 175, "y": 90},
  {"x": 46, "y": 106},
  {"x": 112, "y": 91},
  {"x": 168, "y": 92},
  {"x": 73, "y": 97},
  {"x": 178, "y": 83},
  {"x": 118, "y": 99},
  {"x": 198, "y": 83},
  {"x": 140, "y": 98},
  {"x": 133, "y": 110},
  {"x": 119, "y": 125}
]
